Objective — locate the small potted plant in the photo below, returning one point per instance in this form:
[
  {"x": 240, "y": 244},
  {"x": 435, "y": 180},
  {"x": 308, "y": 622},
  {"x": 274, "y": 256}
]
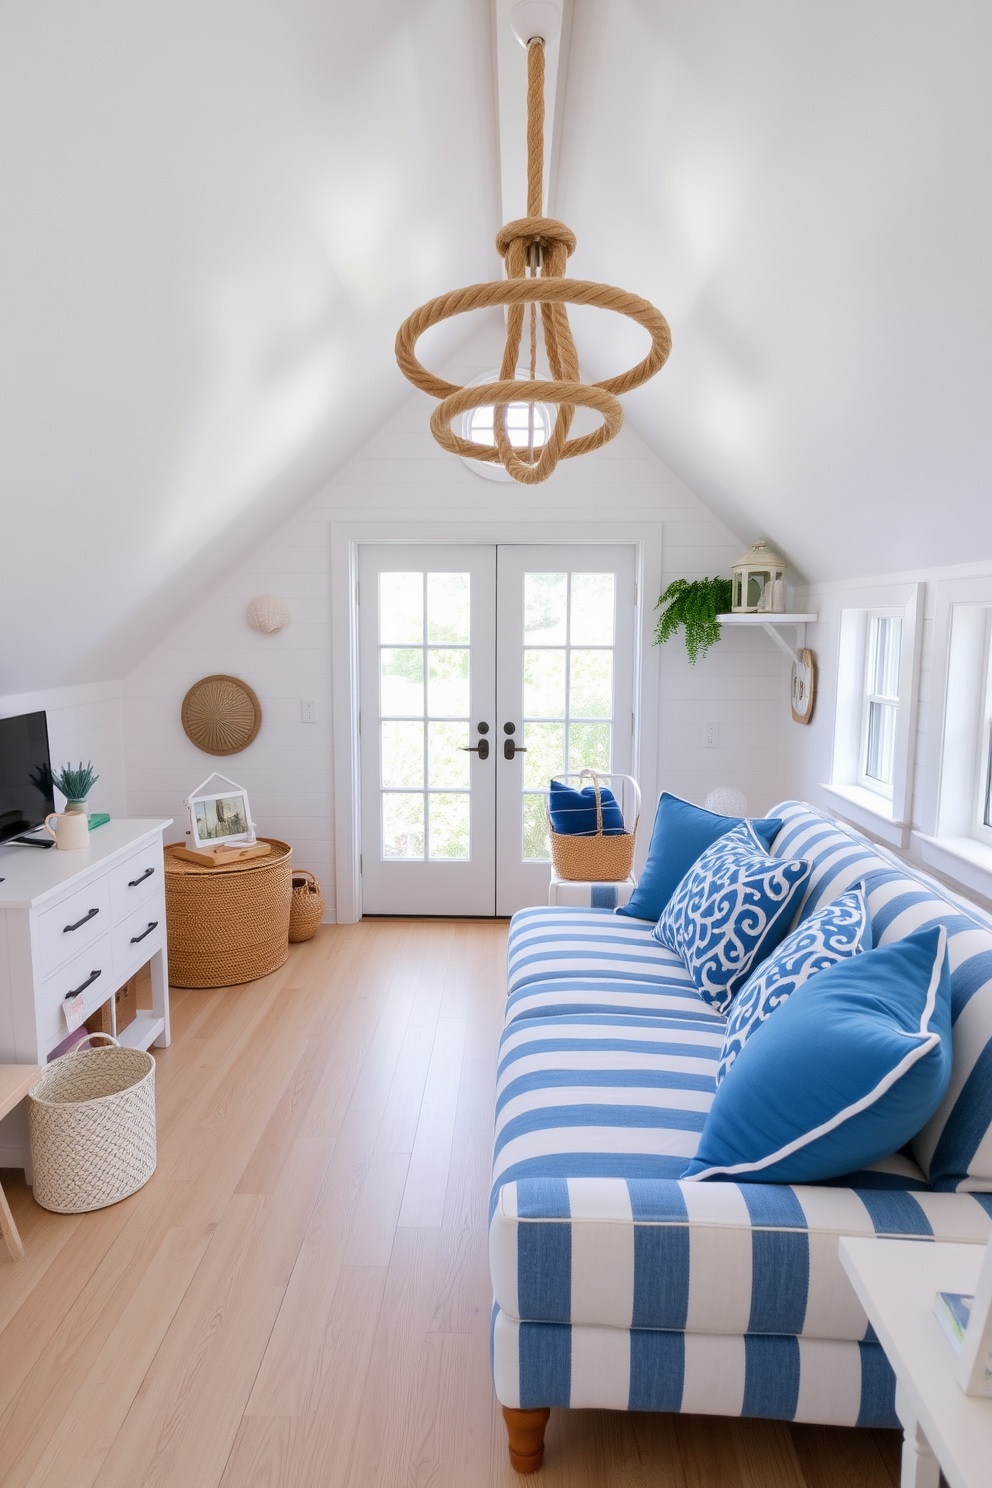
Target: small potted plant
[
  {"x": 75, "y": 785},
  {"x": 695, "y": 604}
]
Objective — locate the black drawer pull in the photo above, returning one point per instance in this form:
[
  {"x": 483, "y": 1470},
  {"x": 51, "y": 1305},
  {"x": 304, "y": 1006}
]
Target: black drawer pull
[
  {"x": 88, "y": 916},
  {"x": 152, "y": 925},
  {"x": 83, "y": 985},
  {"x": 134, "y": 882}
]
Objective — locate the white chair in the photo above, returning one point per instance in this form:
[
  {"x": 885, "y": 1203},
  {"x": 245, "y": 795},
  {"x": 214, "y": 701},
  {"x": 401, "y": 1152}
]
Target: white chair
[{"x": 600, "y": 894}]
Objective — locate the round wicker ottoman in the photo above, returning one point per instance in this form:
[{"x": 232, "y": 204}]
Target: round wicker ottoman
[{"x": 227, "y": 925}]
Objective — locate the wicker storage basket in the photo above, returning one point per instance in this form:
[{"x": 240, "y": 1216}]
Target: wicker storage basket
[
  {"x": 227, "y": 925},
  {"x": 92, "y": 1123},
  {"x": 596, "y": 859},
  {"x": 307, "y": 909}
]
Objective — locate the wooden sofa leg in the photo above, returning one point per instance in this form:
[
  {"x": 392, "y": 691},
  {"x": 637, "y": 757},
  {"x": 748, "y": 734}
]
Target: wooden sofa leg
[{"x": 525, "y": 1428}]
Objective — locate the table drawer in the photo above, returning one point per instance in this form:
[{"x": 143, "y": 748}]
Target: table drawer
[
  {"x": 74, "y": 922},
  {"x": 136, "y": 879},
  {"x": 97, "y": 958},
  {"x": 138, "y": 937}
]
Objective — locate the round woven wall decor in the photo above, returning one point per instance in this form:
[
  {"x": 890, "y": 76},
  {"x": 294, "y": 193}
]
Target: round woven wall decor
[{"x": 221, "y": 714}]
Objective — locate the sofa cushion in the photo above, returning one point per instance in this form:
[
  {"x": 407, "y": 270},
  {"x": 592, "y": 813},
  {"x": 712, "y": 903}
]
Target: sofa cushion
[
  {"x": 954, "y": 1149},
  {"x": 841, "y": 929},
  {"x": 623, "y": 1252},
  {"x": 681, "y": 833},
  {"x": 731, "y": 909},
  {"x": 844, "y": 1073},
  {"x": 570, "y": 942},
  {"x": 674, "y": 995}
]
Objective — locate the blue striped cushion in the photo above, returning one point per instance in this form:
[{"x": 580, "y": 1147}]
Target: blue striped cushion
[
  {"x": 567, "y": 941},
  {"x": 955, "y": 1147},
  {"x": 824, "y": 1381}
]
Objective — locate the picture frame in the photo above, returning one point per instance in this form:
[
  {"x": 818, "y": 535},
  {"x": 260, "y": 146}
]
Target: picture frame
[{"x": 219, "y": 814}]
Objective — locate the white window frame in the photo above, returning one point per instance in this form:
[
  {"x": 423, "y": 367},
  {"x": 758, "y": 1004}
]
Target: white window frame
[
  {"x": 851, "y": 793},
  {"x": 871, "y": 782},
  {"x": 980, "y": 830}
]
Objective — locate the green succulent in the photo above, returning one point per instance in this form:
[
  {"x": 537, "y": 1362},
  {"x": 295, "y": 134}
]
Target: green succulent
[
  {"x": 695, "y": 604},
  {"x": 76, "y": 784}
]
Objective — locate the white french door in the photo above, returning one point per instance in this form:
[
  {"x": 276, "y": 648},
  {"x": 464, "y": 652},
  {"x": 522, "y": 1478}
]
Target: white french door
[{"x": 483, "y": 671}]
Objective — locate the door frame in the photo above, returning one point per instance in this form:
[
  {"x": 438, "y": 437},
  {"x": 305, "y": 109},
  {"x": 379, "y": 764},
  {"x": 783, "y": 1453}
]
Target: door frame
[{"x": 347, "y": 536}]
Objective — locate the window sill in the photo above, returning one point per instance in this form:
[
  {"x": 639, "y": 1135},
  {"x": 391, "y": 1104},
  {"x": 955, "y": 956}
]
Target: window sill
[
  {"x": 964, "y": 859},
  {"x": 868, "y": 811}
]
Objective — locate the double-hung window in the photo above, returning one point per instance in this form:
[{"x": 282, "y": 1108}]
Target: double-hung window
[
  {"x": 883, "y": 657},
  {"x": 981, "y": 826}
]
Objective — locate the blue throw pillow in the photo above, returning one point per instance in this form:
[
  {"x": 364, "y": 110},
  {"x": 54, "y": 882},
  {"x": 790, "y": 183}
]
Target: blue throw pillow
[
  {"x": 681, "y": 832},
  {"x": 730, "y": 910},
  {"x": 841, "y": 928},
  {"x": 844, "y": 1074},
  {"x": 573, "y": 812}
]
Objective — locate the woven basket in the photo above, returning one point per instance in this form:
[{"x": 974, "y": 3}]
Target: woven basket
[
  {"x": 227, "y": 925},
  {"x": 307, "y": 908},
  {"x": 92, "y": 1122},
  {"x": 596, "y": 859}
]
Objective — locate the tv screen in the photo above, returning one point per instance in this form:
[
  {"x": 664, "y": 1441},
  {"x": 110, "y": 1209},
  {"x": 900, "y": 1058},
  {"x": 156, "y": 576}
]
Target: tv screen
[{"x": 26, "y": 795}]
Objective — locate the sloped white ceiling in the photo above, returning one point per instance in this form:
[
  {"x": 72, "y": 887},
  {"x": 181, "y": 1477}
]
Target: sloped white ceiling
[{"x": 216, "y": 212}]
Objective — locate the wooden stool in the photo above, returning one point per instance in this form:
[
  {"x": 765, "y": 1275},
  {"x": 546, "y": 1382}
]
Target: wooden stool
[{"x": 15, "y": 1082}]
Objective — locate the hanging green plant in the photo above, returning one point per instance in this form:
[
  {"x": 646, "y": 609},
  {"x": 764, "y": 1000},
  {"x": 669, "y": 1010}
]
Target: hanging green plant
[{"x": 694, "y": 603}]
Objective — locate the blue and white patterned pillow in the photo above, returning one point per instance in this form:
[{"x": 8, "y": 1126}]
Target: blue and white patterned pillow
[
  {"x": 841, "y": 929},
  {"x": 732, "y": 908}
]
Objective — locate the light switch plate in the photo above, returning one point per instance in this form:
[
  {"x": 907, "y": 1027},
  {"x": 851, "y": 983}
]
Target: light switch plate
[{"x": 308, "y": 708}]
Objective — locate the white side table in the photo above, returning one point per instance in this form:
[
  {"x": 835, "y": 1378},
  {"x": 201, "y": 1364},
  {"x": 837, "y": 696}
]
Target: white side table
[
  {"x": 584, "y": 892},
  {"x": 945, "y": 1429}
]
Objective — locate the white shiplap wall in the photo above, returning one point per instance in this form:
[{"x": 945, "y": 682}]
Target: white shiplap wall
[
  {"x": 401, "y": 475},
  {"x": 85, "y": 722}
]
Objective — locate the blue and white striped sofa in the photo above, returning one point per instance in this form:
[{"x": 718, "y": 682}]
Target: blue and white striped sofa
[{"x": 615, "y": 1285}]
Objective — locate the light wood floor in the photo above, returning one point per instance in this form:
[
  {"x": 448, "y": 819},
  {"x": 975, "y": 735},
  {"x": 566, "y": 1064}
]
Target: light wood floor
[{"x": 300, "y": 1297}]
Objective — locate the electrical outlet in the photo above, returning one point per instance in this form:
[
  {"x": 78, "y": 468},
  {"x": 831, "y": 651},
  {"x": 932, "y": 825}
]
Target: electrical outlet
[
  {"x": 309, "y": 710},
  {"x": 711, "y": 735}
]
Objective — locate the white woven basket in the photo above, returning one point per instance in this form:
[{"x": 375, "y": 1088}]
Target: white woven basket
[{"x": 92, "y": 1121}]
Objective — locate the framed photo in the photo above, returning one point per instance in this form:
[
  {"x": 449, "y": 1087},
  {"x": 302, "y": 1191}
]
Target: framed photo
[{"x": 219, "y": 814}]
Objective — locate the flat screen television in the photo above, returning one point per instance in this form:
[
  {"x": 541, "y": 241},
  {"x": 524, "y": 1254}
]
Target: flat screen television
[{"x": 26, "y": 795}]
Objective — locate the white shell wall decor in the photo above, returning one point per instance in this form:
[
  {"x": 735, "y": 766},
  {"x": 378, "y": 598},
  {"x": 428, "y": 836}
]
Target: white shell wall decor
[{"x": 267, "y": 613}]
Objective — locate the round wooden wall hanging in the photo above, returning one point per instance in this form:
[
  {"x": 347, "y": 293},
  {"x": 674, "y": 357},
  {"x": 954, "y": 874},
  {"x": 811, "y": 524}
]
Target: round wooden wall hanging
[
  {"x": 221, "y": 714},
  {"x": 803, "y": 686}
]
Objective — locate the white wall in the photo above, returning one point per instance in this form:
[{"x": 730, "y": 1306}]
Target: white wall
[
  {"x": 84, "y": 723},
  {"x": 401, "y": 475}
]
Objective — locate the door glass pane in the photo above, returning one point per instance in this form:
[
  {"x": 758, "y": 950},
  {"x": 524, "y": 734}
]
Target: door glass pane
[
  {"x": 589, "y": 746},
  {"x": 401, "y": 609},
  {"x": 402, "y": 753},
  {"x": 447, "y": 683},
  {"x": 402, "y": 825},
  {"x": 592, "y": 609},
  {"x": 591, "y": 692},
  {"x": 544, "y": 684},
  {"x": 545, "y": 744},
  {"x": 448, "y": 598},
  {"x": 537, "y": 846},
  {"x": 545, "y": 597},
  {"x": 447, "y": 763},
  {"x": 401, "y": 682},
  {"x": 449, "y": 822}
]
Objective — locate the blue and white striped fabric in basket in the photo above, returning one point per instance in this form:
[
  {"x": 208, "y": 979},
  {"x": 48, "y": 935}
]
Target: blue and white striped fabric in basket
[{"x": 618, "y": 1286}]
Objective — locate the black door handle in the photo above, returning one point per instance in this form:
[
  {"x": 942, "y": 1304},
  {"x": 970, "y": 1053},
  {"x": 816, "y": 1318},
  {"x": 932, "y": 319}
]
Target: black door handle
[
  {"x": 510, "y": 748},
  {"x": 83, "y": 985},
  {"x": 89, "y": 916},
  {"x": 481, "y": 749},
  {"x": 152, "y": 925},
  {"x": 134, "y": 882}
]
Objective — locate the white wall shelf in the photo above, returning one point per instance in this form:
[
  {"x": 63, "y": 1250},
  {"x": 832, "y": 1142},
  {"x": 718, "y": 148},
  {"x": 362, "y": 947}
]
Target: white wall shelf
[{"x": 770, "y": 622}]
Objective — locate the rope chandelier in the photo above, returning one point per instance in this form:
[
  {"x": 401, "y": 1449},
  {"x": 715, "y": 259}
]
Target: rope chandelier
[{"x": 534, "y": 250}]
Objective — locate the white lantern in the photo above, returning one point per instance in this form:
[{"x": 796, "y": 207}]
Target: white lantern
[{"x": 759, "y": 582}]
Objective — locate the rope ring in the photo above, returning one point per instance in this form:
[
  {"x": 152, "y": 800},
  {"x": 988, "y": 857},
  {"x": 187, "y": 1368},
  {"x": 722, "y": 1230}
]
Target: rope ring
[
  {"x": 535, "y": 230},
  {"x": 525, "y": 291},
  {"x": 567, "y": 394}
]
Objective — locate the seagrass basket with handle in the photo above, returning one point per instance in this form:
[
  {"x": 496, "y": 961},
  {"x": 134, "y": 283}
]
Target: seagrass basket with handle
[
  {"x": 92, "y": 1123},
  {"x": 596, "y": 857},
  {"x": 307, "y": 907}
]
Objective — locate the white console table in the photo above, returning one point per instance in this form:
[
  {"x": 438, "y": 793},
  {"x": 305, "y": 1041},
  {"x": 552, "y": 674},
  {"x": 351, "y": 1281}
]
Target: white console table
[{"x": 70, "y": 921}]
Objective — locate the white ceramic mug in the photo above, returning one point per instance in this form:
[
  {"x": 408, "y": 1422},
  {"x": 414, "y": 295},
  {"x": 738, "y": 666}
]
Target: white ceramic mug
[{"x": 71, "y": 831}]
